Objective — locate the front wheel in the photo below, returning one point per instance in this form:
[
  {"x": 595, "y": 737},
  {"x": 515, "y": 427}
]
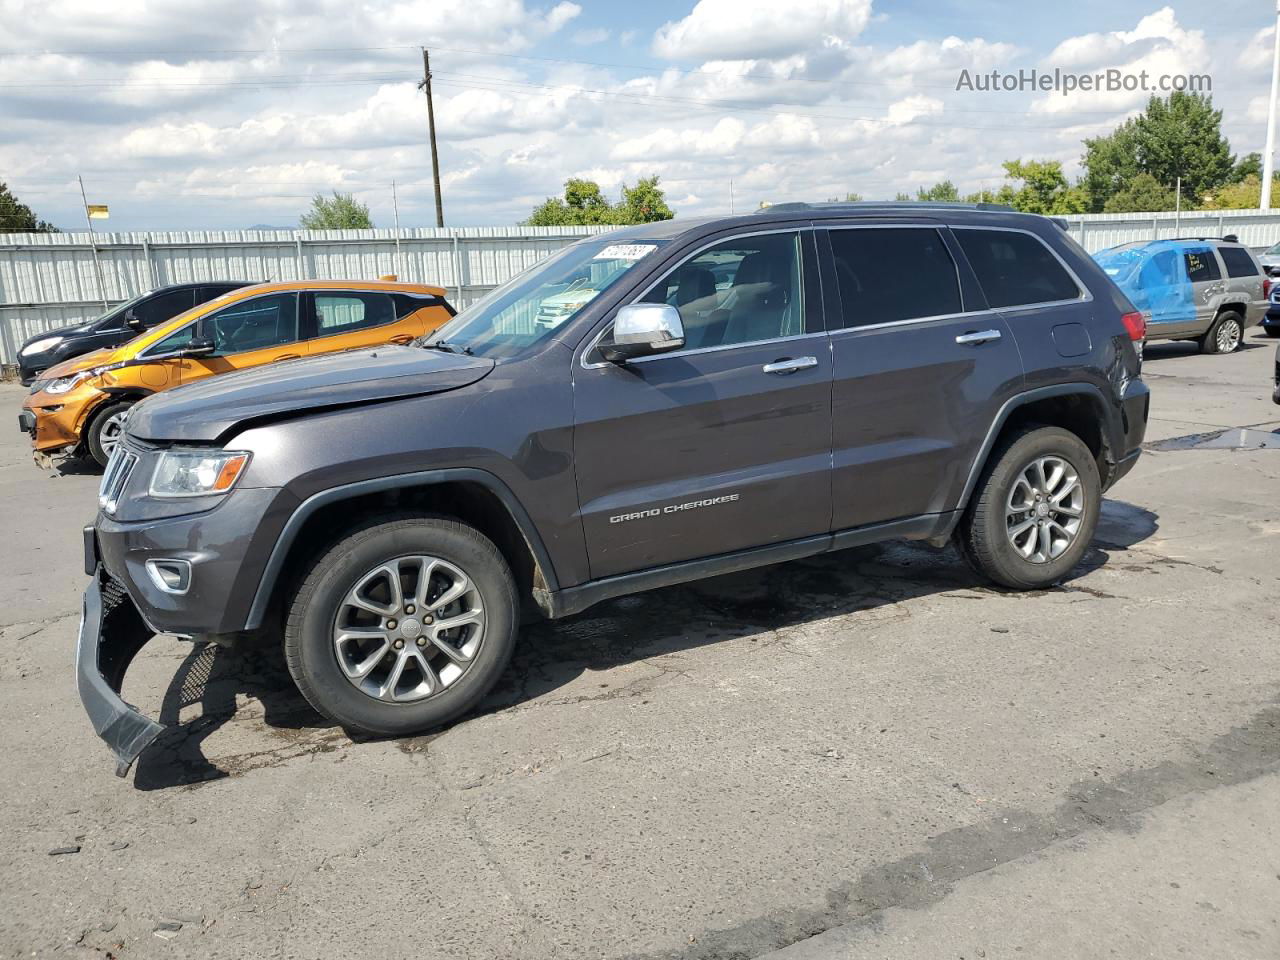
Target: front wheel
[
  {"x": 403, "y": 625},
  {"x": 1225, "y": 335},
  {"x": 1035, "y": 509},
  {"x": 106, "y": 429}
]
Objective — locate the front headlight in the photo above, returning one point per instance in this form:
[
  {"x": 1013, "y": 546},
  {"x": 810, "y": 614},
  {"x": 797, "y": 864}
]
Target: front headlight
[
  {"x": 190, "y": 473},
  {"x": 64, "y": 384},
  {"x": 41, "y": 345}
]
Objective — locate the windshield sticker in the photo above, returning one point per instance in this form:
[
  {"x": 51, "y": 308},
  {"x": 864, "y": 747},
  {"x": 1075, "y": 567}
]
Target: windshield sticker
[{"x": 625, "y": 251}]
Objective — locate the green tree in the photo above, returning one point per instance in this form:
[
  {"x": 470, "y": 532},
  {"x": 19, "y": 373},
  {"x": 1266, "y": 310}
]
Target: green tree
[
  {"x": 1143, "y": 194},
  {"x": 17, "y": 217},
  {"x": 584, "y": 203},
  {"x": 1110, "y": 163},
  {"x": 1179, "y": 136},
  {"x": 901, "y": 197},
  {"x": 342, "y": 212},
  {"x": 1044, "y": 188},
  {"x": 1182, "y": 137},
  {"x": 1250, "y": 165},
  {"x": 643, "y": 203},
  {"x": 1245, "y": 195},
  {"x": 944, "y": 192}
]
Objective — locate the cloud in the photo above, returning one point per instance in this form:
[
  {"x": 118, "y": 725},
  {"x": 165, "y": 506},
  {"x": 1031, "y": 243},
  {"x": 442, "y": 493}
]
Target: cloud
[
  {"x": 585, "y": 38},
  {"x": 745, "y": 29}
]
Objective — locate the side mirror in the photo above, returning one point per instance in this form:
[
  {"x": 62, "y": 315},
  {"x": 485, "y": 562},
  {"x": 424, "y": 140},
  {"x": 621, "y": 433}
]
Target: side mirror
[
  {"x": 197, "y": 347},
  {"x": 131, "y": 320},
  {"x": 1275, "y": 272},
  {"x": 641, "y": 329}
]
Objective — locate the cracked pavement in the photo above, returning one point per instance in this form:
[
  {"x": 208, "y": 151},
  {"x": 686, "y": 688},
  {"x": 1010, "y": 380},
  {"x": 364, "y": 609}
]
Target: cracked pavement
[{"x": 873, "y": 749}]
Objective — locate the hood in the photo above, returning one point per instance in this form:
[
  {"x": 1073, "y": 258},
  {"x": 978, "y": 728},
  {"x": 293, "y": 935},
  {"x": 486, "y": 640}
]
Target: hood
[
  {"x": 206, "y": 410},
  {"x": 74, "y": 330},
  {"x": 86, "y": 361}
]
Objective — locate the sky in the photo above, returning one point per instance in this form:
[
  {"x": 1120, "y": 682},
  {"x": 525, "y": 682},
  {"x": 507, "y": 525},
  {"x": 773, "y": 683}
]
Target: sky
[{"x": 226, "y": 114}]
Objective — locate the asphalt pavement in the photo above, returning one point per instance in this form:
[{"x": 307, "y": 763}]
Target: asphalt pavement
[{"x": 867, "y": 754}]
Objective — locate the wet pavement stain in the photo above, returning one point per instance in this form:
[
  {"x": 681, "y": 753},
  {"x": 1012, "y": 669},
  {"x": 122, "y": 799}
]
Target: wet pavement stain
[{"x": 1232, "y": 438}]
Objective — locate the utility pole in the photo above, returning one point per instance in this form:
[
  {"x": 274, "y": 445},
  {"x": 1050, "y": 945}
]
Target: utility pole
[
  {"x": 97, "y": 266},
  {"x": 1268, "y": 158},
  {"x": 395, "y": 205},
  {"x": 430, "y": 126}
]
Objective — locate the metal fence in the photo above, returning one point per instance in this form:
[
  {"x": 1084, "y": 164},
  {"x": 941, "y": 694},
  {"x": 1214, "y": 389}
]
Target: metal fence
[{"x": 49, "y": 280}]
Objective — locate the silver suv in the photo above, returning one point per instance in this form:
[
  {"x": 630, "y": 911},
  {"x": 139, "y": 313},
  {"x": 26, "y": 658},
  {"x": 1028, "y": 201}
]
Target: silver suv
[{"x": 1204, "y": 289}]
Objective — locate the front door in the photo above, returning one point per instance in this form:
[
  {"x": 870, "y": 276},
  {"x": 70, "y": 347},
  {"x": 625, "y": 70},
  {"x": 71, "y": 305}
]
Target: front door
[
  {"x": 245, "y": 334},
  {"x": 725, "y": 444}
]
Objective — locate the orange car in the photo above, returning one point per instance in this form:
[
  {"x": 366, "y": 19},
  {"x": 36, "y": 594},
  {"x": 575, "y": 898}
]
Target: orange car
[{"x": 78, "y": 407}]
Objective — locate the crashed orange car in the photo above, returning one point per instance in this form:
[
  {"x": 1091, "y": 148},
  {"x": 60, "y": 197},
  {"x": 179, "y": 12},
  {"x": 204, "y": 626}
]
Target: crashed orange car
[{"x": 77, "y": 407}]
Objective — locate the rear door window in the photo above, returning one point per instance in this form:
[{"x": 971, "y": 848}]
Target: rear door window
[
  {"x": 1015, "y": 269},
  {"x": 1202, "y": 265},
  {"x": 164, "y": 307},
  {"x": 1239, "y": 262},
  {"x": 891, "y": 274},
  {"x": 342, "y": 312}
]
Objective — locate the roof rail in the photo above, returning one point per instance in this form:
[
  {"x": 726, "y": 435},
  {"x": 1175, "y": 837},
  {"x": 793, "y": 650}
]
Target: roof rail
[{"x": 896, "y": 204}]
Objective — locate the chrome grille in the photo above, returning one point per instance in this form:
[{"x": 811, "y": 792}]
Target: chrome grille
[{"x": 114, "y": 479}]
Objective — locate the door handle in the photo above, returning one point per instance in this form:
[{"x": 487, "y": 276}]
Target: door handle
[
  {"x": 286, "y": 356},
  {"x": 974, "y": 337},
  {"x": 787, "y": 365},
  {"x": 401, "y": 339}
]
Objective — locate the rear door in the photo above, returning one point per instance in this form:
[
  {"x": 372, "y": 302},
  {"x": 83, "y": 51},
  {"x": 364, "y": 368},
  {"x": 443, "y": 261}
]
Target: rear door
[
  {"x": 1207, "y": 285},
  {"x": 725, "y": 444},
  {"x": 920, "y": 364},
  {"x": 344, "y": 319}
]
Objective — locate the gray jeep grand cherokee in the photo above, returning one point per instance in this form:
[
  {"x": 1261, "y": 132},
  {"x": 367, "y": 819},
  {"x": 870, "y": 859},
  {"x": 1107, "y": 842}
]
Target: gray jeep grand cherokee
[{"x": 726, "y": 393}]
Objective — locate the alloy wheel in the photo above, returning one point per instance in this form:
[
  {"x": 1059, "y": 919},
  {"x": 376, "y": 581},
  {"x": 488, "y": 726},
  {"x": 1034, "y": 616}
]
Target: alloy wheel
[
  {"x": 409, "y": 629},
  {"x": 112, "y": 430},
  {"x": 1044, "y": 509},
  {"x": 1229, "y": 335}
]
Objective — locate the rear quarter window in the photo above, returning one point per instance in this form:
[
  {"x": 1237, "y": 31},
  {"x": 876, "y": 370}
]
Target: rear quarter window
[
  {"x": 1014, "y": 268},
  {"x": 1239, "y": 262}
]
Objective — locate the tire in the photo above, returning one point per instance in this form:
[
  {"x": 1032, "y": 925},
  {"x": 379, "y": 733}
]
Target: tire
[
  {"x": 104, "y": 428},
  {"x": 316, "y": 646},
  {"x": 985, "y": 530},
  {"x": 1271, "y": 331},
  {"x": 1226, "y": 334}
]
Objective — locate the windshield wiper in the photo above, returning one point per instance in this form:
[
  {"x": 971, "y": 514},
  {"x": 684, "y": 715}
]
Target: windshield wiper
[{"x": 447, "y": 347}]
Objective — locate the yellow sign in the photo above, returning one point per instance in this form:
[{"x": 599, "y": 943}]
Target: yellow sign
[{"x": 97, "y": 211}]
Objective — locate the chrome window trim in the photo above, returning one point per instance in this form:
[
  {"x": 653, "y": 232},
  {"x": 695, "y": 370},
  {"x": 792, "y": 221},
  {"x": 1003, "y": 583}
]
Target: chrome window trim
[
  {"x": 935, "y": 318},
  {"x": 1085, "y": 294},
  {"x": 715, "y": 241},
  {"x": 936, "y": 228}
]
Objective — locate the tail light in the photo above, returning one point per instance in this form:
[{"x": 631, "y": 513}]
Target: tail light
[
  {"x": 1136, "y": 324},
  {"x": 1266, "y": 287}
]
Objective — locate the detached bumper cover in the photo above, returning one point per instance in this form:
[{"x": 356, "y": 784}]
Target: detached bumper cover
[{"x": 111, "y": 634}]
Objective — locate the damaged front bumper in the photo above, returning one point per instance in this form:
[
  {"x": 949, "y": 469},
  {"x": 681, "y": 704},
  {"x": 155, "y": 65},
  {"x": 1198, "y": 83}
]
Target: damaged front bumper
[{"x": 111, "y": 634}]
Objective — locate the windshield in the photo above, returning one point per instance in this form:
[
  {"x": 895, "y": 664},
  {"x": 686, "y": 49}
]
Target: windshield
[
  {"x": 1275, "y": 250},
  {"x": 1120, "y": 262},
  {"x": 533, "y": 305}
]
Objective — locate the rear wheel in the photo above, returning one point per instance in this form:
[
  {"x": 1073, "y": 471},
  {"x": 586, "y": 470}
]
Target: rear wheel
[
  {"x": 402, "y": 625},
  {"x": 106, "y": 429},
  {"x": 1035, "y": 509},
  {"x": 1225, "y": 334},
  {"x": 1272, "y": 331}
]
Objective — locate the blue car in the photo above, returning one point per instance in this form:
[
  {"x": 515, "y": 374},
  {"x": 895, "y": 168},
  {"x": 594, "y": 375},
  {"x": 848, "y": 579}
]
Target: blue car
[{"x": 1207, "y": 290}]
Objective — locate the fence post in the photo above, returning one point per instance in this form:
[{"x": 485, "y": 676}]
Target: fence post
[
  {"x": 302, "y": 263},
  {"x": 1155, "y": 227},
  {"x": 457, "y": 270},
  {"x": 146, "y": 259}
]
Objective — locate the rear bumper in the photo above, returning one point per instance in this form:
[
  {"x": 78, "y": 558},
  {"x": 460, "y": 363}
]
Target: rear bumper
[{"x": 111, "y": 634}]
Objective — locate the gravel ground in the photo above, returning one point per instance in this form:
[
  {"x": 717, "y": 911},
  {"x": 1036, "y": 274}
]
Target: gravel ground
[{"x": 873, "y": 746}]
